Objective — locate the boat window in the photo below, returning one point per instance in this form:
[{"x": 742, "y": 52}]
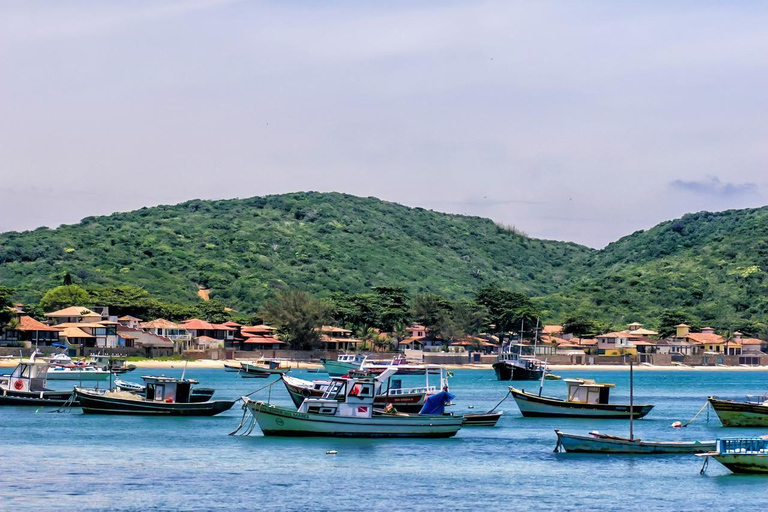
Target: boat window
[{"x": 361, "y": 390}]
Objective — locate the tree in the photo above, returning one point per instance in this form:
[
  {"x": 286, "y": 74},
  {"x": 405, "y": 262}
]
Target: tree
[
  {"x": 466, "y": 318},
  {"x": 6, "y": 303},
  {"x": 298, "y": 316},
  {"x": 122, "y": 300},
  {"x": 213, "y": 311},
  {"x": 65, "y": 296},
  {"x": 506, "y": 309},
  {"x": 431, "y": 310},
  {"x": 391, "y": 307},
  {"x": 580, "y": 326},
  {"x": 669, "y": 318}
]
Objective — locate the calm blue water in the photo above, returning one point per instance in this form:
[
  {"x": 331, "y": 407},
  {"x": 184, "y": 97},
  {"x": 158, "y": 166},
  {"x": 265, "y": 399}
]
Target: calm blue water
[{"x": 82, "y": 462}]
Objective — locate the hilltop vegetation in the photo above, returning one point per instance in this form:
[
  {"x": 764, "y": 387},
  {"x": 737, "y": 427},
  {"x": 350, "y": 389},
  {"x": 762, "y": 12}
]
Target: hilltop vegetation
[
  {"x": 244, "y": 250},
  {"x": 708, "y": 268}
]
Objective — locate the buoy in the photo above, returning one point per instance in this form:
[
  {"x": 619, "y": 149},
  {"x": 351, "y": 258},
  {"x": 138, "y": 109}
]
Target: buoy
[
  {"x": 331, "y": 452},
  {"x": 471, "y": 407},
  {"x": 677, "y": 424}
]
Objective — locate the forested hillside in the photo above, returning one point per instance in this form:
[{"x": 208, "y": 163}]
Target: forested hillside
[
  {"x": 708, "y": 268},
  {"x": 245, "y": 249}
]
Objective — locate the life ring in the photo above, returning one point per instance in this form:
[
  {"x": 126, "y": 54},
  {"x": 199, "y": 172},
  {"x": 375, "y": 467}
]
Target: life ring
[
  {"x": 18, "y": 385},
  {"x": 305, "y": 393}
]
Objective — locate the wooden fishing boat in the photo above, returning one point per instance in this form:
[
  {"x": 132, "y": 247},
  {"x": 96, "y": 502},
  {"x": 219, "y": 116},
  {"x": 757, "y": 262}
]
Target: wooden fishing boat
[
  {"x": 518, "y": 362},
  {"x": 586, "y": 399},
  {"x": 404, "y": 399},
  {"x": 741, "y": 454},
  {"x": 26, "y": 385},
  {"x": 596, "y": 442},
  {"x": 232, "y": 368},
  {"x": 740, "y": 414},
  {"x": 164, "y": 396},
  {"x": 78, "y": 373},
  {"x": 482, "y": 419},
  {"x": 343, "y": 364},
  {"x": 196, "y": 394},
  {"x": 346, "y": 409},
  {"x": 263, "y": 368},
  {"x": 115, "y": 364}
]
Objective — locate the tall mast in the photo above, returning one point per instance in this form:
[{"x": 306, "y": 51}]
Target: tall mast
[{"x": 631, "y": 400}]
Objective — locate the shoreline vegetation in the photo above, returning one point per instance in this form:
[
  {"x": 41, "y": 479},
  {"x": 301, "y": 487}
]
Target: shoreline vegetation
[{"x": 309, "y": 365}]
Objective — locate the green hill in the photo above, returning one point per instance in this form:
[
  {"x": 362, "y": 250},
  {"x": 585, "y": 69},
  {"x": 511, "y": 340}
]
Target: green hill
[
  {"x": 710, "y": 267},
  {"x": 243, "y": 249}
]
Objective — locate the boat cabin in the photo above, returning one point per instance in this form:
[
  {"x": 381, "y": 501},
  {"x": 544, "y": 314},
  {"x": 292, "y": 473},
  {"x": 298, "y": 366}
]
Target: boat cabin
[
  {"x": 349, "y": 397},
  {"x": 588, "y": 391},
  {"x": 29, "y": 375},
  {"x": 168, "y": 389},
  {"x": 350, "y": 358}
]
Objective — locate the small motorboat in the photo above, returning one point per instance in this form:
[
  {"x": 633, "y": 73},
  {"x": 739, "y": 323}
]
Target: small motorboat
[
  {"x": 482, "y": 419},
  {"x": 596, "y": 442},
  {"x": 197, "y": 394},
  {"x": 517, "y": 361},
  {"x": 586, "y": 399},
  {"x": 346, "y": 409},
  {"x": 741, "y": 454},
  {"x": 404, "y": 399},
  {"x": 26, "y": 385},
  {"x": 740, "y": 414},
  {"x": 232, "y": 368},
  {"x": 263, "y": 368},
  {"x": 343, "y": 364},
  {"x": 164, "y": 396},
  {"x": 114, "y": 364},
  {"x": 78, "y": 373}
]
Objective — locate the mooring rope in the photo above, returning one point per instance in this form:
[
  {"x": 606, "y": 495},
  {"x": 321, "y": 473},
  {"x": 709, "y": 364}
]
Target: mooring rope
[
  {"x": 697, "y": 414},
  {"x": 66, "y": 406},
  {"x": 704, "y": 467},
  {"x": 502, "y": 400}
]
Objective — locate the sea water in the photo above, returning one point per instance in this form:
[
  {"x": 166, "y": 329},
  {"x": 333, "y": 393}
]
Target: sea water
[{"x": 71, "y": 461}]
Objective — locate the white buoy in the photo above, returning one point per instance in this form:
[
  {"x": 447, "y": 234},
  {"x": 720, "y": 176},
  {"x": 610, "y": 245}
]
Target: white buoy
[
  {"x": 331, "y": 452},
  {"x": 471, "y": 407},
  {"x": 677, "y": 424}
]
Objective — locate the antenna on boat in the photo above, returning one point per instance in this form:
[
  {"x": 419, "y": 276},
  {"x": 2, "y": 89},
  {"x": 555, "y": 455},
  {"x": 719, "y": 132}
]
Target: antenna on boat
[
  {"x": 631, "y": 399},
  {"x": 184, "y": 372},
  {"x": 543, "y": 374},
  {"x": 535, "y": 336}
]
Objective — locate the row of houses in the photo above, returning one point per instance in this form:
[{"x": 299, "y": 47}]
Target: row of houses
[{"x": 80, "y": 327}]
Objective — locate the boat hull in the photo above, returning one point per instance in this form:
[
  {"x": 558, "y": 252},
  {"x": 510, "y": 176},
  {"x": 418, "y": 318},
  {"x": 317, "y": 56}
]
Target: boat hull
[
  {"x": 533, "y": 406},
  {"x": 506, "y": 371},
  {"x": 740, "y": 414},
  {"x": 39, "y": 398},
  {"x": 98, "y": 404},
  {"x": 590, "y": 444},
  {"x": 486, "y": 419},
  {"x": 745, "y": 463},
  {"x": 278, "y": 421},
  {"x": 337, "y": 369}
]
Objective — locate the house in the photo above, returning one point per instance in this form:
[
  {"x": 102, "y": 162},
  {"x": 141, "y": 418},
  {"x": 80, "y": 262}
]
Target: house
[
  {"x": 417, "y": 331},
  {"x": 750, "y": 345},
  {"x": 101, "y": 334},
  {"x": 178, "y": 334},
  {"x": 29, "y": 332},
  {"x": 198, "y": 328},
  {"x": 411, "y": 344},
  {"x": 73, "y": 315},
  {"x": 337, "y": 338},
  {"x": 615, "y": 344},
  {"x": 259, "y": 337},
  {"x": 129, "y": 321},
  {"x": 707, "y": 341},
  {"x": 151, "y": 344}
]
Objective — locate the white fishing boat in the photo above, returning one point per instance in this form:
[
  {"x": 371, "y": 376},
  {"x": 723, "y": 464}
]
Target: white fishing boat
[
  {"x": 596, "y": 442},
  {"x": 343, "y": 364},
  {"x": 78, "y": 373},
  {"x": 392, "y": 391},
  {"x": 741, "y": 454},
  {"x": 346, "y": 409}
]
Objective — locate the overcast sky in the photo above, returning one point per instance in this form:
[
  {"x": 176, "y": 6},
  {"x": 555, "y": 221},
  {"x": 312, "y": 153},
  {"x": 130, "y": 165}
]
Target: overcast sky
[{"x": 574, "y": 120}]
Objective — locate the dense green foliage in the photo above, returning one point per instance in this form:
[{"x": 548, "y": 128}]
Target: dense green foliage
[
  {"x": 245, "y": 250},
  {"x": 369, "y": 260}
]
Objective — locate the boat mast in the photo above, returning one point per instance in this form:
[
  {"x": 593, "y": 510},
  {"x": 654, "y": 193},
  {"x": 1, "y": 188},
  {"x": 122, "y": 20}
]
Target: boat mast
[{"x": 631, "y": 400}]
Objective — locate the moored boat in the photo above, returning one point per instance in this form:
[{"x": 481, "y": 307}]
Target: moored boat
[
  {"x": 404, "y": 399},
  {"x": 232, "y": 368},
  {"x": 586, "y": 399},
  {"x": 164, "y": 396},
  {"x": 196, "y": 394},
  {"x": 346, "y": 409},
  {"x": 26, "y": 385},
  {"x": 482, "y": 419},
  {"x": 741, "y": 454},
  {"x": 596, "y": 442},
  {"x": 263, "y": 368},
  {"x": 343, "y": 364},
  {"x": 517, "y": 361},
  {"x": 740, "y": 414}
]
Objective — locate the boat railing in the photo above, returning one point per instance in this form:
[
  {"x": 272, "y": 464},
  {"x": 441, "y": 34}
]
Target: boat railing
[
  {"x": 741, "y": 445},
  {"x": 412, "y": 391}
]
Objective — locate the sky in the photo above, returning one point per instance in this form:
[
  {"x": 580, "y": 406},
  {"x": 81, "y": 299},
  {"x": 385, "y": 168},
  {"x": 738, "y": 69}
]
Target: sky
[{"x": 571, "y": 120}]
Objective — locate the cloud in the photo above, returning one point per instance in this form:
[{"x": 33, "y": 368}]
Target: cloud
[{"x": 712, "y": 186}]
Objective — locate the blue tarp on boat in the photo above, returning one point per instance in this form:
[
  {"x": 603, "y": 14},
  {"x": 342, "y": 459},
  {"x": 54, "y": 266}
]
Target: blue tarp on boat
[{"x": 436, "y": 403}]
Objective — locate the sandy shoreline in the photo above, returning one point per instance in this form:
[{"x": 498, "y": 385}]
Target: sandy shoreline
[{"x": 213, "y": 364}]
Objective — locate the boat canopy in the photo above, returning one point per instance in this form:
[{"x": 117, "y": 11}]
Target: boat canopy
[{"x": 436, "y": 403}]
